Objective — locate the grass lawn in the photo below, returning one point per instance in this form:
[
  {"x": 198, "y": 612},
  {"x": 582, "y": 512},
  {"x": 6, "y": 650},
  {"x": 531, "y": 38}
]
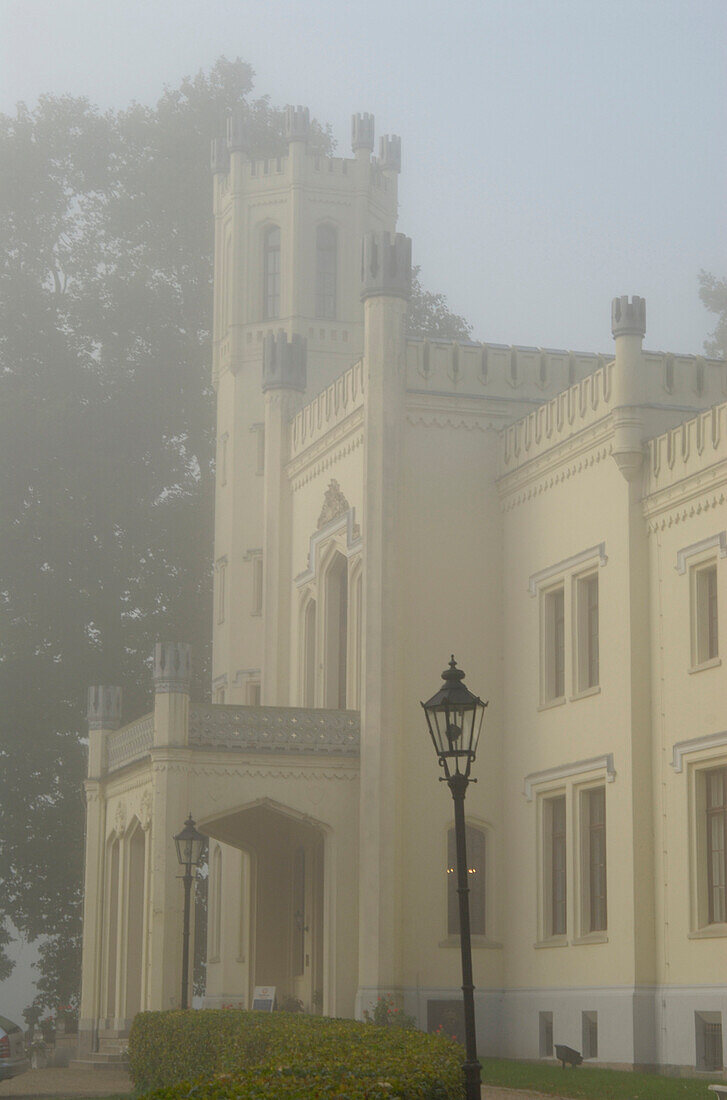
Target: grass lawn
[{"x": 593, "y": 1083}]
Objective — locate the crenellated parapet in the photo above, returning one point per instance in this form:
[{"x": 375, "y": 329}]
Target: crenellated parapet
[
  {"x": 327, "y": 410},
  {"x": 500, "y": 370},
  {"x": 571, "y": 411},
  {"x": 689, "y": 449},
  {"x": 284, "y": 362}
]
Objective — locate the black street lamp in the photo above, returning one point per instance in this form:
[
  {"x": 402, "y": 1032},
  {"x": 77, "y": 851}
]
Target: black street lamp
[
  {"x": 190, "y": 845},
  {"x": 454, "y": 716}
]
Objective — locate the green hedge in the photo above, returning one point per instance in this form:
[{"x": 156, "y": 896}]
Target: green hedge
[{"x": 229, "y": 1054}]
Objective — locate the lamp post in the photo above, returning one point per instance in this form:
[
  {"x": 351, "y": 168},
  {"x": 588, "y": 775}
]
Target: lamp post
[
  {"x": 190, "y": 845},
  {"x": 454, "y": 716}
]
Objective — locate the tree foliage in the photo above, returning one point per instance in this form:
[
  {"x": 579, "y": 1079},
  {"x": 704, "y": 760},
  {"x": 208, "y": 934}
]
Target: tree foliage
[
  {"x": 430, "y": 316},
  {"x": 106, "y": 448},
  {"x": 713, "y": 292}
]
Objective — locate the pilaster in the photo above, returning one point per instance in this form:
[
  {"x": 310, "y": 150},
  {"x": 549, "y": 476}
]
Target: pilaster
[
  {"x": 104, "y": 716},
  {"x": 170, "y": 807},
  {"x": 386, "y": 278},
  {"x": 284, "y": 375}
]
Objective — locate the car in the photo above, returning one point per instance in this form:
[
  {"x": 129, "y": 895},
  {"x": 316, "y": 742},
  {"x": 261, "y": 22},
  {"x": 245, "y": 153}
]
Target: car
[{"x": 13, "y": 1057}]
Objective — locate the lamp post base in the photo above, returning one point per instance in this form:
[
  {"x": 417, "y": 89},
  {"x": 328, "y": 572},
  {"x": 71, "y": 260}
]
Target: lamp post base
[{"x": 472, "y": 1080}]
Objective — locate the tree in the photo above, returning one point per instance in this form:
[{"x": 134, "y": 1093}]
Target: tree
[
  {"x": 713, "y": 292},
  {"x": 106, "y": 448},
  {"x": 430, "y": 316}
]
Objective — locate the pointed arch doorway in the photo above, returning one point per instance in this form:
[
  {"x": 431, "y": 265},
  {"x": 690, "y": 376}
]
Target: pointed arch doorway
[{"x": 281, "y": 915}]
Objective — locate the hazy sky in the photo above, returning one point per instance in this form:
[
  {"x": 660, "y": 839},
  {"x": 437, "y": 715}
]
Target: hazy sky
[{"x": 556, "y": 152}]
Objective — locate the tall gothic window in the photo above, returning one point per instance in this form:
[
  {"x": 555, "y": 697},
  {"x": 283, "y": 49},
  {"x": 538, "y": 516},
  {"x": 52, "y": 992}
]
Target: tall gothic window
[
  {"x": 326, "y": 259},
  {"x": 271, "y": 274},
  {"x": 336, "y": 633},
  {"x": 309, "y": 654},
  {"x": 475, "y": 840}
]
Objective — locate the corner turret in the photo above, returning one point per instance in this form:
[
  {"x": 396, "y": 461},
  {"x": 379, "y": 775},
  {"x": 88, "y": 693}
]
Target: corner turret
[
  {"x": 172, "y": 667},
  {"x": 628, "y": 324},
  {"x": 104, "y": 707},
  {"x": 628, "y": 318},
  {"x": 362, "y": 135},
  {"x": 390, "y": 153},
  {"x": 386, "y": 265},
  {"x": 297, "y": 124},
  {"x": 284, "y": 362}
]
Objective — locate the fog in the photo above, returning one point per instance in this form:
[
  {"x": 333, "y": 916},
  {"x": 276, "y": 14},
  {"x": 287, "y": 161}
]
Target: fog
[{"x": 555, "y": 154}]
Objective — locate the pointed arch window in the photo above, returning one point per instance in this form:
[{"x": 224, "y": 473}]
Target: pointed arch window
[
  {"x": 336, "y": 632},
  {"x": 326, "y": 270},
  {"x": 271, "y": 273},
  {"x": 309, "y": 654}
]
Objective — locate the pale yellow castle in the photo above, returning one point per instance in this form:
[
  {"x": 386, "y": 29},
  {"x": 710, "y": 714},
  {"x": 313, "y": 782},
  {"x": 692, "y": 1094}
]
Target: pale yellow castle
[{"x": 558, "y": 520}]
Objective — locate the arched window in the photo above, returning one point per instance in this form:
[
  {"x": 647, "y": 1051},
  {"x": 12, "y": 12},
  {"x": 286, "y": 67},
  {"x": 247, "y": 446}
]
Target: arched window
[
  {"x": 309, "y": 654},
  {"x": 134, "y": 919},
  {"x": 112, "y": 926},
  {"x": 476, "y": 880},
  {"x": 299, "y": 913},
  {"x": 336, "y": 632},
  {"x": 326, "y": 261},
  {"x": 271, "y": 274}
]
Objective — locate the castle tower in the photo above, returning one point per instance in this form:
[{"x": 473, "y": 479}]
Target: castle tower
[{"x": 288, "y": 236}]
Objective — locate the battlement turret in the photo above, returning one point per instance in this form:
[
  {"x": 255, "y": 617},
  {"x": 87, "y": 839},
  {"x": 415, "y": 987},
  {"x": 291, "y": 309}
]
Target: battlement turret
[
  {"x": 386, "y": 265},
  {"x": 390, "y": 153},
  {"x": 238, "y": 138},
  {"x": 362, "y": 133},
  {"x": 284, "y": 362},
  {"x": 297, "y": 123},
  {"x": 104, "y": 707},
  {"x": 628, "y": 318},
  {"x": 172, "y": 667}
]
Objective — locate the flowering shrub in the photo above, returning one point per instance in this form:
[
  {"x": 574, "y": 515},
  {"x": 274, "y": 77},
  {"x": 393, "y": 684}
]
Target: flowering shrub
[
  {"x": 228, "y": 1054},
  {"x": 387, "y": 1015}
]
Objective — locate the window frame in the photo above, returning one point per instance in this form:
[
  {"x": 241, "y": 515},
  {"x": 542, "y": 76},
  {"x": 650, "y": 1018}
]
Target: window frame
[
  {"x": 552, "y": 645},
  {"x": 586, "y": 832},
  {"x": 586, "y": 652},
  {"x": 704, "y": 614},
  {"x": 549, "y": 869},
  {"x": 326, "y": 280},
  {"x": 479, "y": 938},
  {"x": 271, "y": 274}
]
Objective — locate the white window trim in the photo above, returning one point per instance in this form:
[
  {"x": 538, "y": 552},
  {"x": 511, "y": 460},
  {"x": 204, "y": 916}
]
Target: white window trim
[
  {"x": 718, "y": 542},
  {"x": 566, "y": 574},
  {"x": 352, "y": 544},
  {"x": 565, "y": 566},
  {"x": 602, "y": 764},
  {"x": 702, "y": 754},
  {"x": 570, "y": 780}
]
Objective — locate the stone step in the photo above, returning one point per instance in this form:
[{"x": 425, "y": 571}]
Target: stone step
[{"x": 101, "y": 1062}]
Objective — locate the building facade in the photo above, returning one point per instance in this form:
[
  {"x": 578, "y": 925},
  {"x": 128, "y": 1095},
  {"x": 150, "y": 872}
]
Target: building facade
[{"x": 557, "y": 519}]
